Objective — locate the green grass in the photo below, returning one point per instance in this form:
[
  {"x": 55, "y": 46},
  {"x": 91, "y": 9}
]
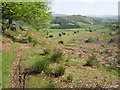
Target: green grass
[
  {"x": 7, "y": 64},
  {"x": 37, "y": 64},
  {"x": 83, "y": 27},
  {"x": 86, "y": 75},
  {"x": 60, "y": 71},
  {"x": 68, "y": 38},
  {"x": 81, "y": 34},
  {"x": 107, "y": 31},
  {"x": 73, "y": 73},
  {"x": 69, "y": 34},
  {"x": 92, "y": 61},
  {"x": 37, "y": 82}
]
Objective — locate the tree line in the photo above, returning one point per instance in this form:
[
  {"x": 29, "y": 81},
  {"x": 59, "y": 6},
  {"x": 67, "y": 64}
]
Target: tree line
[{"x": 36, "y": 14}]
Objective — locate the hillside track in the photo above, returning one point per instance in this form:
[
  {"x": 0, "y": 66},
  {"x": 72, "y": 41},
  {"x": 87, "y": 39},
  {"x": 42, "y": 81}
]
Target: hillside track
[{"x": 18, "y": 79}]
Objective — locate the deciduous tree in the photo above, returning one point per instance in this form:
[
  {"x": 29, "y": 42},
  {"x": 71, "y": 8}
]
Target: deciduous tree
[{"x": 36, "y": 14}]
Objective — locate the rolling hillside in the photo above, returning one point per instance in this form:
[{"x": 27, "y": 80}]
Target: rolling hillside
[{"x": 77, "y": 21}]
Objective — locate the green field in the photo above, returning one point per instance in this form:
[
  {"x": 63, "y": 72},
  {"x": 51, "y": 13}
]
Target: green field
[{"x": 82, "y": 35}]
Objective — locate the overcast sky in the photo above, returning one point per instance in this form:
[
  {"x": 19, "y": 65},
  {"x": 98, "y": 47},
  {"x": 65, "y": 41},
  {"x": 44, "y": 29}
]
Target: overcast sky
[{"x": 85, "y": 7}]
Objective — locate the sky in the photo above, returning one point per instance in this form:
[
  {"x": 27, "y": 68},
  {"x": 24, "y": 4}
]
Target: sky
[{"x": 85, "y": 7}]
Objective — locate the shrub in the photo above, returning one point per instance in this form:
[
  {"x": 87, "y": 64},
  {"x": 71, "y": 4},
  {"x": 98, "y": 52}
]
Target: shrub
[
  {"x": 63, "y": 33},
  {"x": 90, "y": 40},
  {"x": 92, "y": 61},
  {"x": 59, "y": 34},
  {"x": 56, "y": 57},
  {"x": 50, "y": 36},
  {"x": 60, "y": 42},
  {"x": 70, "y": 78},
  {"x": 38, "y": 65},
  {"x": 29, "y": 39},
  {"x": 60, "y": 71},
  {"x": 34, "y": 43},
  {"x": 90, "y": 30},
  {"x": 75, "y": 32}
]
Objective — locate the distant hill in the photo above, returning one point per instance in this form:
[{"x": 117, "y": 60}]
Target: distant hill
[
  {"x": 105, "y": 16},
  {"x": 76, "y": 21},
  {"x": 59, "y": 15}
]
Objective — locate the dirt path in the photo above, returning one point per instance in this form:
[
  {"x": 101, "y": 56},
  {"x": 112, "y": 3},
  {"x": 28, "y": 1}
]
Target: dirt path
[{"x": 19, "y": 77}]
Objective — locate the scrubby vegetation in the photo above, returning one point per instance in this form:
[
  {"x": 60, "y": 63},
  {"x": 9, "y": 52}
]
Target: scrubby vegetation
[
  {"x": 60, "y": 71},
  {"x": 78, "y": 52},
  {"x": 45, "y": 60},
  {"x": 90, "y": 40},
  {"x": 60, "y": 42},
  {"x": 91, "y": 61}
]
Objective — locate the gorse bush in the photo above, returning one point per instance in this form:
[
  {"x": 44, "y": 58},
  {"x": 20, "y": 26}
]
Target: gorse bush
[
  {"x": 60, "y": 42},
  {"x": 92, "y": 61},
  {"x": 29, "y": 39},
  {"x": 60, "y": 71},
  {"x": 59, "y": 34},
  {"x": 38, "y": 65},
  {"x": 63, "y": 33},
  {"x": 56, "y": 57},
  {"x": 90, "y": 40},
  {"x": 50, "y": 36},
  {"x": 90, "y": 30}
]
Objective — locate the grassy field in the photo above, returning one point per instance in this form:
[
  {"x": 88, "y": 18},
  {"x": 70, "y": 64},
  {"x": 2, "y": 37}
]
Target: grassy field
[
  {"x": 84, "y": 60},
  {"x": 82, "y": 35},
  {"x": 7, "y": 65}
]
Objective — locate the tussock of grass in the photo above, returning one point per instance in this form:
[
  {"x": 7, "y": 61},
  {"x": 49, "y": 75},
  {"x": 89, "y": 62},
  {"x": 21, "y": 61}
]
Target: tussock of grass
[
  {"x": 90, "y": 40},
  {"x": 60, "y": 71},
  {"x": 92, "y": 61},
  {"x": 37, "y": 64},
  {"x": 56, "y": 57}
]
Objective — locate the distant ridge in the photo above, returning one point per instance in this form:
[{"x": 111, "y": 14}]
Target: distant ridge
[
  {"x": 105, "y": 16},
  {"x": 97, "y": 16},
  {"x": 59, "y": 15}
]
